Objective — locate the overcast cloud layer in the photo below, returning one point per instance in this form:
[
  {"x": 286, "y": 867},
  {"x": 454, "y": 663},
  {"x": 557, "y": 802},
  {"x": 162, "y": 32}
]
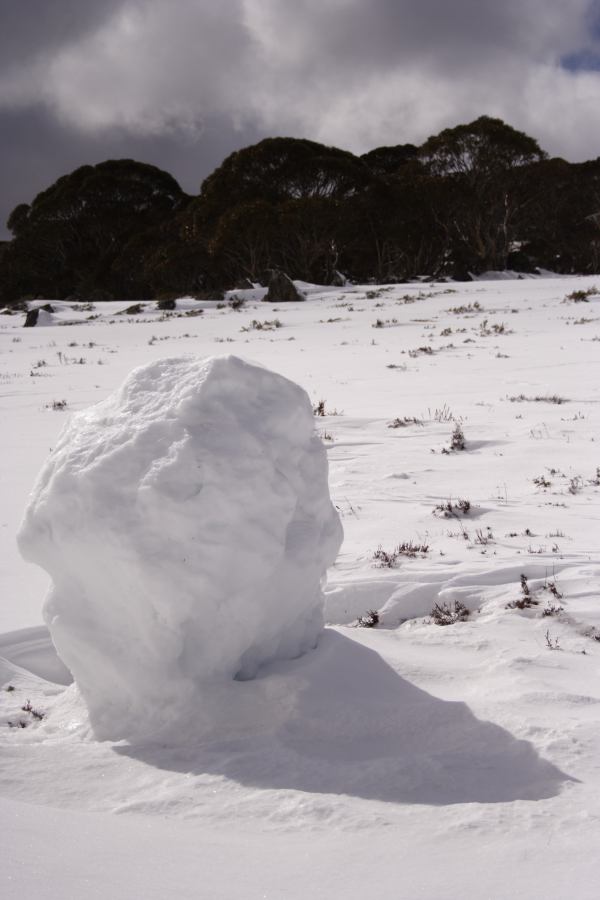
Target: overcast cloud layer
[{"x": 181, "y": 83}]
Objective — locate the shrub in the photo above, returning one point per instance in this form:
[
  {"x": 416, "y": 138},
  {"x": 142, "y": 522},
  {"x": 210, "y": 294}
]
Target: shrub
[
  {"x": 267, "y": 325},
  {"x": 484, "y": 538},
  {"x": 421, "y": 351},
  {"x": 369, "y": 620},
  {"x": 385, "y": 559},
  {"x": 451, "y": 508},
  {"x": 552, "y": 609},
  {"x": 581, "y": 296},
  {"x": 319, "y": 410},
  {"x": 404, "y": 422},
  {"x": 470, "y": 308},
  {"x": 384, "y": 323},
  {"x": 166, "y": 303},
  {"x": 549, "y": 398},
  {"x": 575, "y": 484},
  {"x": 35, "y": 713},
  {"x": 445, "y": 614},
  {"x": 495, "y": 328},
  {"x": 542, "y": 481},
  {"x": 526, "y": 600},
  {"x": 442, "y": 414},
  {"x": 457, "y": 441},
  {"x": 83, "y": 307}
]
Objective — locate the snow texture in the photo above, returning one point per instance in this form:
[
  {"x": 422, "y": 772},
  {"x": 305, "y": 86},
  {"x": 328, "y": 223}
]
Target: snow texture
[
  {"x": 342, "y": 774},
  {"x": 187, "y": 527}
]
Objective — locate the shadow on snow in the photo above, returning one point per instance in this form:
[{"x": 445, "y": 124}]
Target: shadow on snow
[{"x": 341, "y": 721}]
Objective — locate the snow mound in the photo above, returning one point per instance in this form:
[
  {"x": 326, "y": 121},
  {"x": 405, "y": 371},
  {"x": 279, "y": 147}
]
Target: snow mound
[{"x": 187, "y": 527}]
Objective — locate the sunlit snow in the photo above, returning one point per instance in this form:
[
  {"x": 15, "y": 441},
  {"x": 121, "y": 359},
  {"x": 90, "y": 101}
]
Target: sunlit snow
[{"x": 404, "y": 760}]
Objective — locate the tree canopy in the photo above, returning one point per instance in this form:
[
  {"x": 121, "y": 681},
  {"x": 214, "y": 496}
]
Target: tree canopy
[
  {"x": 477, "y": 196},
  {"x": 484, "y": 148},
  {"x": 71, "y": 236}
]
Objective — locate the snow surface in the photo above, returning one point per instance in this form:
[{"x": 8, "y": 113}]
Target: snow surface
[
  {"x": 187, "y": 527},
  {"x": 403, "y": 761}
]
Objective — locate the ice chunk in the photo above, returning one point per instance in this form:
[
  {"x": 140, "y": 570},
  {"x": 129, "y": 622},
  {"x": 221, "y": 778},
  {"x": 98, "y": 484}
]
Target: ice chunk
[{"x": 187, "y": 527}]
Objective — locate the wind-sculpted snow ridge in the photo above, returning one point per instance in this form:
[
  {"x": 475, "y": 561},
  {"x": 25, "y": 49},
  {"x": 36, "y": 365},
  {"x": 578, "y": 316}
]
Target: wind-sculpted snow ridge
[{"x": 187, "y": 527}]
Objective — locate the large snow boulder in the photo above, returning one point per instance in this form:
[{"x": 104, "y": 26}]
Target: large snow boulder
[{"x": 187, "y": 527}]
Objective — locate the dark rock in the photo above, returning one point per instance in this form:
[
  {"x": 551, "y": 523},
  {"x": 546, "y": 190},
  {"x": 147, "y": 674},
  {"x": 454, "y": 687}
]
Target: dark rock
[
  {"x": 31, "y": 318},
  {"x": 282, "y": 289}
]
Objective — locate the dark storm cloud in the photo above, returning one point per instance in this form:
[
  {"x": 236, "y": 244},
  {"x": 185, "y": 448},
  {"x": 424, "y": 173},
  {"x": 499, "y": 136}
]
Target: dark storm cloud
[
  {"x": 383, "y": 33},
  {"x": 181, "y": 83},
  {"x": 42, "y": 149},
  {"x": 38, "y": 27},
  {"x": 445, "y": 34}
]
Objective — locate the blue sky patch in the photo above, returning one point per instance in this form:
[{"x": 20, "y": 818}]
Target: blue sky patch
[
  {"x": 581, "y": 61},
  {"x": 586, "y": 59},
  {"x": 593, "y": 19}
]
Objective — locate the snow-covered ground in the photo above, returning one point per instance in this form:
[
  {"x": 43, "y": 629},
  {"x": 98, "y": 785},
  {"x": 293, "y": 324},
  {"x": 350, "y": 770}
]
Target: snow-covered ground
[{"x": 408, "y": 760}]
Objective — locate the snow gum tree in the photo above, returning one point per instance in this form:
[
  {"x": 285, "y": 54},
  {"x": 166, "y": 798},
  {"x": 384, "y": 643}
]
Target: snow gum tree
[
  {"x": 484, "y": 166},
  {"x": 69, "y": 239}
]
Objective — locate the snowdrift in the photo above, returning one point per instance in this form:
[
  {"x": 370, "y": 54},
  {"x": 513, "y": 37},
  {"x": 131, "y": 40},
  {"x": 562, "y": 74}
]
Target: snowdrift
[{"x": 187, "y": 527}]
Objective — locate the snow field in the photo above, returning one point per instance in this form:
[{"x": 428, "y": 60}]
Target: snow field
[{"x": 405, "y": 760}]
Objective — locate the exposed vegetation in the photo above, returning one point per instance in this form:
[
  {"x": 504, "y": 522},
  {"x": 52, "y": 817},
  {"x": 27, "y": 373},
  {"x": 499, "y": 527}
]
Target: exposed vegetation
[
  {"x": 369, "y": 620},
  {"x": 453, "y": 508},
  {"x": 267, "y": 325},
  {"x": 449, "y": 614},
  {"x": 582, "y": 296},
  {"x": 388, "y": 559},
  {"x": 404, "y": 422},
  {"x": 547, "y": 398},
  {"x": 526, "y": 600}
]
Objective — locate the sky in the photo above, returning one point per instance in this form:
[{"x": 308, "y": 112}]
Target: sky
[{"x": 183, "y": 83}]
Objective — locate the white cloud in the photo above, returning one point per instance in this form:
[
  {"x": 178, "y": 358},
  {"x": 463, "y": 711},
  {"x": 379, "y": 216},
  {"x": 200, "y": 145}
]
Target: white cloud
[{"x": 356, "y": 73}]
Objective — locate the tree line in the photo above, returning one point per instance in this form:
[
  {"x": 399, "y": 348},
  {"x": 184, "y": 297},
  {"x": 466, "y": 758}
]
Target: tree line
[{"x": 477, "y": 197}]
